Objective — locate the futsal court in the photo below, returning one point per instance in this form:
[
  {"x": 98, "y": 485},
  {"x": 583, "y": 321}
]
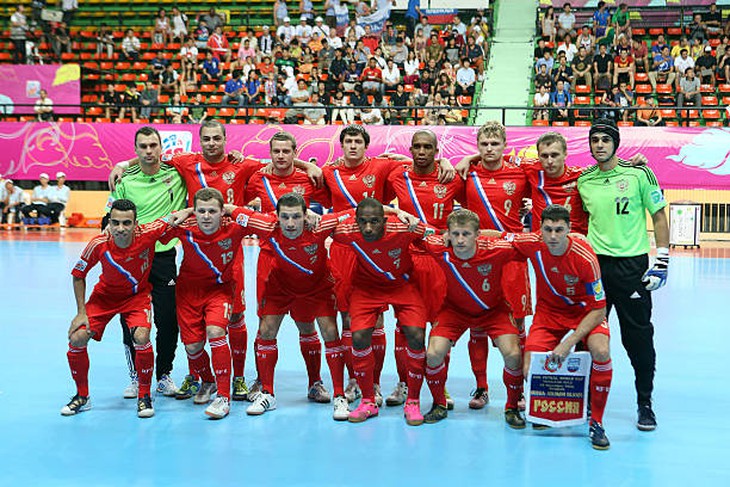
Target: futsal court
[{"x": 300, "y": 444}]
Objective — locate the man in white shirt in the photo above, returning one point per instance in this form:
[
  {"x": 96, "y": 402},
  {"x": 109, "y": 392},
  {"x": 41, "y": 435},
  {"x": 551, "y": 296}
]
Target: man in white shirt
[
  {"x": 391, "y": 76},
  {"x": 465, "y": 79},
  {"x": 58, "y": 196},
  {"x": 286, "y": 32},
  {"x": 320, "y": 28},
  {"x": 334, "y": 40},
  {"x": 39, "y": 203},
  {"x": 566, "y": 22},
  {"x": 681, "y": 63},
  {"x": 303, "y": 31},
  {"x": 11, "y": 200},
  {"x": 44, "y": 107}
]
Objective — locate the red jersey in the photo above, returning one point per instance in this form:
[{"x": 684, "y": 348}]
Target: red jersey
[
  {"x": 225, "y": 176},
  {"x": 424, "y": 197},
  {"x": 209, "y": 260},
  {"x": 563, "y": 191},
  {"x": 270, "y": 187},
  {"x": 473, "y": 285},
  {"x": 124, "y": 272},
  {"x": 569, "y": 284},
  {"x": 347, "y": 186},
  {"x": 496, "y": 196},
  {"x": 385, "y": 262},
  {"x": 371, "y": 74}
]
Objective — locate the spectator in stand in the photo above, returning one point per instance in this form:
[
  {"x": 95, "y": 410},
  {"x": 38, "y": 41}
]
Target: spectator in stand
[
  {"x": 342, "y": 112},
  {"x": 303, "y": 31},
  {"x": 459, "y": 26},
  {"x": 244, "y": 51},
  {"x": 566, "y": 22},
  {"x": 684, "y": 43},
  {"x": 539, "y": 51},
  {"x": 697, "y": 49},
  {"x": 58, "y": 197},
  {"x": 60, "y": 40},
  {"x": 351, "y": 77},
  {"x": 253, "y": 88},
  {"x": 547, "y": 25},
  {"x": 453, "y": 115},
  {"x": 299, "y": 99},
  {"x": 306, "y": 10},
  {"x": 11, "y": 201},
  {"x": 211, "y": 70},
  {"x": 335, "y": 41},
  {"x": 427, "y": 83},
  {"x": 561, "y": 101},
  {"x": 697, "y": 29},
  {"x": 281, "y": 13},
  {"x": 295, "y": 49},
  {"x": 624, "y": 70},
  {"x": 649, "y": 115},
  {"x": 18, "y": 34},
  {"x": 330, "y": 13},
  {"x": 547, "y": 60},
  {"x": 658, "y": 46},
  {"x": 105, "y": 41},
  {"x": 170, "y": 80},
  {"x": 563, "y": 72},
  {"x": 288, "y": 85},
  {"x": 681, "y": 63},
  {"x": 541, "y": 101},
  {"x": 286, "y": 32},
  {"x": 706, "y": 66},
  {"x": 434, "y": 47},
  {"x": 218, "y": 45},
  {"x": 388, "y": 37},
  {"x": 640, "y": 53},
  {"x": 202, "y": 34},
  {"x": 158, "y": 64},
  {"x": 662, "y": 70},
  {"x": 601, "y": 18},
  {"x": 162, "y": 30},
  {"x": 624, "y": 98},
  {"x": 372, "y": 80},
  {"x": 266, "y": 42},
  {"x": 325, "y": 56},
  {"x": 689, "y": 89},
  {"x": 265, "y": 67},
  {"x": 320, "y": 28},
  {"x": 131, "y": 100},
  {"x": 424, "y": 27},
  {"x": 38, "y": 208},
  {"x": 582, "y": 66},
  {"x": 234, "y": 90},
  {"x": 176, "y": 112},
  {"x": 197, "y": 111},
  {"x": 418, "y": 97},
  {"x": 542, "y": 78},
  {"x": 391, "y": 77},
  {"x": 315, "y": 113},
  {"x": 413, "y": 11},
  {"x": 69, "y": 7},
  {"x": 713, "y": 20},
  {"x": 189, "y": 59},
  {"x": 44, "y": 107},
  {"x": 370, "y": 40},
  {"x": 353, "y": 27},
  {"x": 411, "y": 69},
  {"x": 444, "y": 86},
  {"x": 587, "y": 40},
  {"x": 149, "y": 100},
  {"x": 337, "y": 69},
  {"x": 609, "y": 107},
  {"x": 465, "y": 79},
  {"x": 370, "y": 115},
  {"x": 419, "y": 45},
  {"x": 286, "y": 60},
  {"x": 306, "y": 61},
  {"x": 399, "y": 52},
  {"x": 475, "y": 54},
  {"x": 110, "y": 101},
  {"x": 270, "y": 89},
  {"x": 315, "y": 44},
  {"x": 130, "y": 46},
  {"x": 602, "y": 68},
  {"x": 401, "y": 100},
  {"x": 568, "y": 48},
  {"x": 179, "y": 24},
  {"x": 212, "y": 19},
  {"x": 621, "y": 21}
]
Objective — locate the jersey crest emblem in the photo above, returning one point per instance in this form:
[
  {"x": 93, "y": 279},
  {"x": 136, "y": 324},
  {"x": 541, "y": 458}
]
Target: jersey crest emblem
[
  {"x": 622, "y": 185},
  {"x": 229, "y": 177},
  {"x": 214, "y": 174},
  {"x": 299, "y": 189},
  {"x": 242, "y": 219},
  {"x": 484, "y": 269},
  {"x": 440, "y": 190},
  {"x": 570, "y": 280},
  {"x": 509, "y": 187},
  {"x": 225, "y": 244},
  {"x": 311, "y": 249},
  {"x": 394, "y": 254},
  {"x": 369, "y": 180}
]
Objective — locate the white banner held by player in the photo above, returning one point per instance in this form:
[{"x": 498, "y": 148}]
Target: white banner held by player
[{"x": 557, "y": 396}]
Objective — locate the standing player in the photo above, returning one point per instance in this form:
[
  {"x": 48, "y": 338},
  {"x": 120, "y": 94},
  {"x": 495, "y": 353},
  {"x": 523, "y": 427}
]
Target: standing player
[
  {"x": 125, "y": 251},
  {"x": 381, "y": 277},
  {"x": 570, "y": 296},
  {"x": 473, "y": 267},
  {"x": 617, "y": 196}
]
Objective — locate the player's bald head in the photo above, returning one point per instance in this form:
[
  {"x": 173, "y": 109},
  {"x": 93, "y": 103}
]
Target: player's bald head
[
  {"x": 425, "y": 133},
  {"x": 370, "y": 203}
]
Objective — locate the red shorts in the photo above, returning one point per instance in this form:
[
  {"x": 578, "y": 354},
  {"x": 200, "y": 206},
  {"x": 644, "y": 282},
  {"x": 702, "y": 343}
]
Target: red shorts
[
  {"x": 136, "y": 311},
  {"x": 367, "y": 303},
  {"x": 199, "y": 306},
  {"x": 516, "y": 288},
  {"x": 275, "y": 298},
  {"x": 431, "y": 282},
  {"x": 342, "y": 265},
  {"x": 239, "y": 291},
  {"x": 452, "y": 323},
  {"x": 548, "y": 330}
]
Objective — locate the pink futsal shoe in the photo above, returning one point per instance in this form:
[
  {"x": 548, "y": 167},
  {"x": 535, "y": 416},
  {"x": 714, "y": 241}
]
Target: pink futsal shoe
[
  {"x": 366, "y": 409},
  {"x": 412, "y": 412}
]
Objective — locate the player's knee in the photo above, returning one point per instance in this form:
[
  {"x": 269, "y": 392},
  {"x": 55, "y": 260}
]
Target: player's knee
[
  {"x": 362, "y": 339},
  {"x": 415, "y": 337},
  {"x": 214, "y": 332},
  {"x": 513, "y": 357},
  {"x": 305, "y": 327},
  {"x": 193, "y": 348},
  {"x": 434, "y": 357},
  {"x": 235, "y": 318},
  {"x": 600, "y": 353},
  {"x": 141, "y": 335},
  {"x": 79, "y": 338},
  {"x": 328, "y": 329}
]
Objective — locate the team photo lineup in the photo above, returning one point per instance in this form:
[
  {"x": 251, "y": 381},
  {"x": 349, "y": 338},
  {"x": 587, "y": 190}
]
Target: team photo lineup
[{"x": 450, "y": 257}]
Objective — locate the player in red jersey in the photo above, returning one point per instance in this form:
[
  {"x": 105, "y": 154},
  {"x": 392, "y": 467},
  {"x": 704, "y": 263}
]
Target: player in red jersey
[
  {"x": 473, "y": 267},
  {"x": 125, "y": 251},
  {"x": 570, "y": 296},
  {"x": 264, "y": 191},
  {"x": 205, "y": 292},
  {"x": 381, "y": 278},
  {"x": 420, "y": 193}
]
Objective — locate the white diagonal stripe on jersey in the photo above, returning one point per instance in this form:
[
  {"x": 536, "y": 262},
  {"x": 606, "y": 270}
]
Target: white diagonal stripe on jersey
[
  {"x": 343, "y": 189},
  {"x": 485, "y": 201}
]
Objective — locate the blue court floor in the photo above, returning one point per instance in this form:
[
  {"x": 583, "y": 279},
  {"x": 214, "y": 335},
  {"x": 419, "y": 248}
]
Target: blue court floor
[{"x": 299, "y": 443}]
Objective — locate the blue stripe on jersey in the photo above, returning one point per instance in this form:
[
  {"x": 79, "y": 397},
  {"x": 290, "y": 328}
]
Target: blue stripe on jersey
[
  {"x": 127, "y": 275},
  {"x": 485, "y": 201},
  {"x": 541, "y": 188},
  {"x": 541, "y": 267},
  {"x": 201, "y": 176},
  {"x": 199, "y": 251},
  {"x": 269, "y": 191},
  {"x": 343, "y": 189},
  {"x": 372, "y": 264},
  {"x": 460, "y": 279},
  {"x": 284, "y": 257},
  {"x": 414, "y": 198}
]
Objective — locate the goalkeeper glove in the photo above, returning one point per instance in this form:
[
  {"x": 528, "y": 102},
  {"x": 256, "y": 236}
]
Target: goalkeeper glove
[{"x": 656, "y": 276}]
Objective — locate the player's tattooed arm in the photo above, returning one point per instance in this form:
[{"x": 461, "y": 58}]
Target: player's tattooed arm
[
  {"x": 464, "y": 165},
  {"x": 81, "y": 319}
]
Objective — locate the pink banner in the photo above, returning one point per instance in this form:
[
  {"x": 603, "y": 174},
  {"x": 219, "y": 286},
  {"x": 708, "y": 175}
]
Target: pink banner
[
  {"x": 21, "y": 85},
  {"x": 683, "y": 158}
]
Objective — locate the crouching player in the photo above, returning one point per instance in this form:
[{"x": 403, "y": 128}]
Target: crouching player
[
  {"x": 473, "y": 266},
  {"x": 125, "y": 251},
  {"x": 569, "y": 297}
]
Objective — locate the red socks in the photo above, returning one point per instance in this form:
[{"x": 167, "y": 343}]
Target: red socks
[
  {"x": 267, "y": 353},
  {"x": 416, "y": 369},
  {"x": 311, "y": 349},
  {"x": 378, "y": 344},
  {"x": 436, "y": 379},
  {"x": 221, "y": 364},
  {"x": 363, "y": 363},
  {"x": 144, "y": 362},
  {"x": 347, "y": 343},
  {"x": 238, "y": 338},
  {"x": 600, "y": 383},
  {"x": 478, "y": 352},
  {"x": 335, "y": 354},
  {"x": 78, "y": 362},
  {"x": 513, "y": 380},
  {"x": 401, "y": 358},
  {"x": 200, "y": 363}
]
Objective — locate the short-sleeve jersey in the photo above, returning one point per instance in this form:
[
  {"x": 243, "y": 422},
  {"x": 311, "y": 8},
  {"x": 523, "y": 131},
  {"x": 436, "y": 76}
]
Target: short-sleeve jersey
[
  {"x": 225, "y": 176},
  {"x": 270, "y": 187},
  {"x": 473, "y": 285},
  {"x": 423, "y": 196},
  {"x": 348, "y": 186},
  {"x": 496, "y": 196},
  {"x": 384, "y": 262},
  {"x": 616, "y": 202},
  {"x": 124, "y": 272},
  {"x": 568, "y": 284},
  {"x": 563, "y": 190}
]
